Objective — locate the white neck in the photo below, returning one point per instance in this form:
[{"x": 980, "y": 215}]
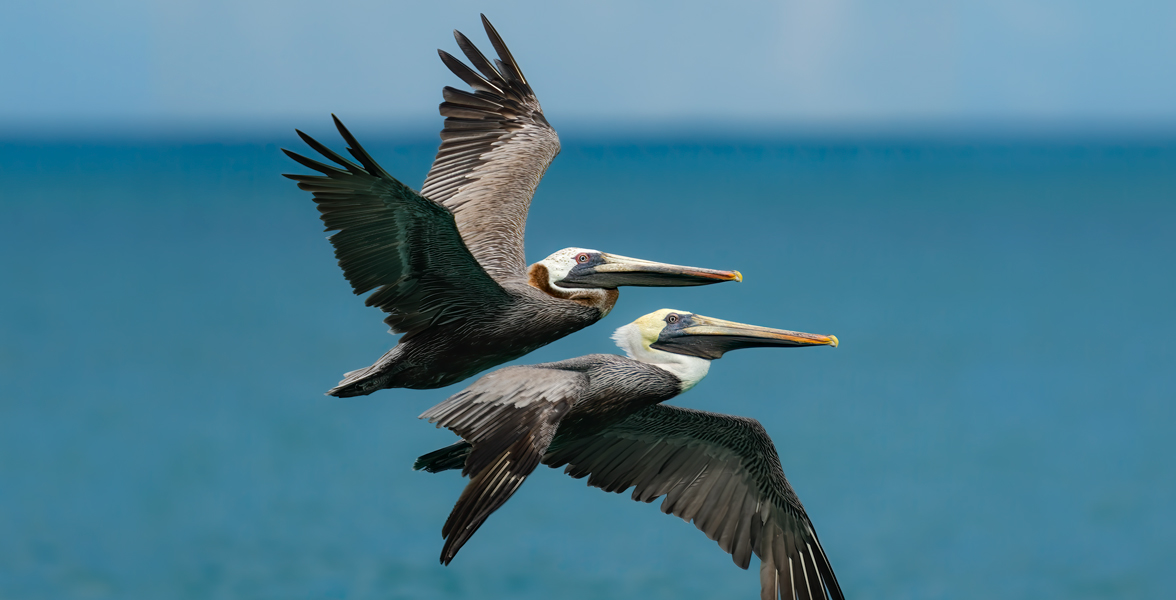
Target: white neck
[{"x": 688, "y": 369}]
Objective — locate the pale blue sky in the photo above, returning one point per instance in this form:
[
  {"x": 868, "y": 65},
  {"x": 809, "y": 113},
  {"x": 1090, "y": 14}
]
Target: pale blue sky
[{"x": 601, "y": 63}]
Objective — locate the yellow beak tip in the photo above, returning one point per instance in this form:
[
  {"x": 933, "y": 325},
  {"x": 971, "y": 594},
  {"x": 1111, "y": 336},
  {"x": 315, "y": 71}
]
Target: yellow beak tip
[
  {"x": 834, "y": 342},
  {"x": 738, "y": 276}
]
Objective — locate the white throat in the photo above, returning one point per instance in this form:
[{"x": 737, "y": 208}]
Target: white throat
[{"x": 689, "y": 369}]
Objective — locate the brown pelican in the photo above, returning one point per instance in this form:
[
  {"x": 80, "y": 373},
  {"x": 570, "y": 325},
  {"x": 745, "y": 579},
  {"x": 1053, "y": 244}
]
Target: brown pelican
[
  {"x": 447, "y": 264},
  {"x": 601, "y": 416}
]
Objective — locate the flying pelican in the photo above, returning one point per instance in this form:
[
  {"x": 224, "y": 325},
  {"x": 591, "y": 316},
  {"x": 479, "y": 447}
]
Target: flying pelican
[
  {"x": 601, "y": 416},
  {"x": 447, "y": 264}
]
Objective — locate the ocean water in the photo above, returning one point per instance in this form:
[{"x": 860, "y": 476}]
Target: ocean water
[{"x": 998, "y": 421}]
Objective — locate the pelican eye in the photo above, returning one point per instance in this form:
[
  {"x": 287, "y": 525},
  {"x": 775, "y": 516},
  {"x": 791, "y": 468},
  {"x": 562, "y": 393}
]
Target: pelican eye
[
  {"x": 672, "y": 318},
  {"x": 582, "y": 258}
]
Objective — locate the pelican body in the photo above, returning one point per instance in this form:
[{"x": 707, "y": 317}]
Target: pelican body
[
  {"x": 447, "y": 264},
  {"x": 601, "y": 416},
  {"x": 518, "y": 318}
]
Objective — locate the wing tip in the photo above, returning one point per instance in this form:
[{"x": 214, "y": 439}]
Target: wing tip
[
  {"x": 306, "y": 138},
  {"x": 460, "y": 37}
]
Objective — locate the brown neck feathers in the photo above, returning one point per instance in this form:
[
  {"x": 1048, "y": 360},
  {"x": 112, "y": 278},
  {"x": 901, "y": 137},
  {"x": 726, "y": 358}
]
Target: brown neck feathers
[{"x": 601, "y": 299}]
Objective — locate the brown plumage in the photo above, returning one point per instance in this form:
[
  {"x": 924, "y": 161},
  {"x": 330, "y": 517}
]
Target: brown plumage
[
  {"x": 600, "y": 416},
  {"x": 495, "y": 148},
  {"x": 719, "y": 471},
  {"x": 447, "y": 264}
]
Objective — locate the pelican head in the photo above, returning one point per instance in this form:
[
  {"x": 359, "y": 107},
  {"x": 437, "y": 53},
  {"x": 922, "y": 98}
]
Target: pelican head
[
  {"x": 677, "y": 336},
  {"x": 684, "y": 343},
  {"x": 572, "y": 268}
]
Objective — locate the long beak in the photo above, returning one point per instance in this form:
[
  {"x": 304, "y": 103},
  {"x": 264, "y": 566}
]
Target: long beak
[
  {"x": 710, "y": 338},
  {"x": 617, "y": 270}
]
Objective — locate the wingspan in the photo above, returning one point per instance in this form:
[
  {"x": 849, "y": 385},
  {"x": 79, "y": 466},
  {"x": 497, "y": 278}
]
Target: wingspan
[
  {"x": 723, "y": 473},
  {"x": 509, "y": 417},
  {"x": 496, "y": 146},
  {"x": 392, "y": 240}
]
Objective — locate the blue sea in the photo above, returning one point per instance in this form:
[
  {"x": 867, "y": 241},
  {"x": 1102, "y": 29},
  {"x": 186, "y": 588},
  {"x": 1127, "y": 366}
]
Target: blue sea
[{"x": 998, "y": 422}]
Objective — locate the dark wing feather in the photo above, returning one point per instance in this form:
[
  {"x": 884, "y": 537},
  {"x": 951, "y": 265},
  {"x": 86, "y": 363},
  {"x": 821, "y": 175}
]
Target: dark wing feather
[
  {"x": 392, "y": 240},
  {"x": 723, "y": 473},
  {"x": 495, "y": 147},
  {"x": 509, "y": 417}
]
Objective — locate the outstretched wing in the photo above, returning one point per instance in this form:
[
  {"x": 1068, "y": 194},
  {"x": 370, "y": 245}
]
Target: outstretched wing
[
  {"x": 509, "y": 417},
  {"x": 723, "y": 473},
  {"x": 495, "y": 147},
  {"x": 392, "y": 240}
]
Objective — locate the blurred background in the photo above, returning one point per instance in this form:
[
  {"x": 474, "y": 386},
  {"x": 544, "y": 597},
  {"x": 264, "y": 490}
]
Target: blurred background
[{"x": 978, "y": 199}]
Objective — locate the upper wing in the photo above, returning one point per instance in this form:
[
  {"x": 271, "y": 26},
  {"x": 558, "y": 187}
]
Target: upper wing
[
  {"x": 723, "y": 473},
  {"x": 509, "y": 417},
  {"x": 391, "y": 238},
  {"x": 495, "y": 147}
]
